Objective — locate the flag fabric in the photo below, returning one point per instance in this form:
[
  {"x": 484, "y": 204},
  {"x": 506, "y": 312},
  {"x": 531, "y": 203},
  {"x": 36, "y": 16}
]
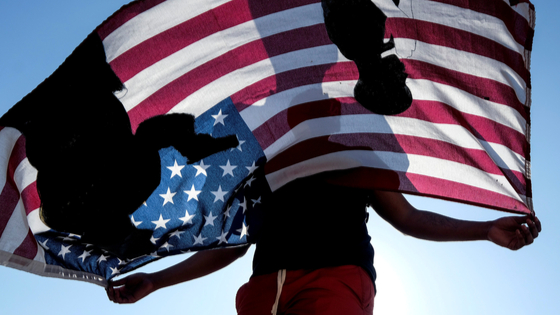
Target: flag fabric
[{"x": 267, "y": 72}]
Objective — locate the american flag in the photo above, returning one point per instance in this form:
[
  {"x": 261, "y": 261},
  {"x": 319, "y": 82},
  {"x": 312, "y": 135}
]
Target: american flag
[{"x": 267, "y": 72}]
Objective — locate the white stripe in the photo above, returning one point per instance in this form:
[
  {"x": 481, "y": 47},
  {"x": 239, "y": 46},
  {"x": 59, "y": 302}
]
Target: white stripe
[
  {"x": 525, "y": 11},
  {"x": 264, "y": 109},
  {"x": 149, "y": 23},
  {"x": 16, "y": 229},
  {"x": 25, "y": 174},
  {"x": 8, "y": 138},
  {"x": 35, "y": 224},
  {"x": 410, "y": 163},
  {"x": 467, "y": 103},
  {"x": 155, "y": 77},
  {"x": 449, "y": 15},
  {"x": 465, "y": 62},
  {"x": 213, "y": 93},
  {"x": 40, "y": 257},
  {"x": 347, "y": 124}
]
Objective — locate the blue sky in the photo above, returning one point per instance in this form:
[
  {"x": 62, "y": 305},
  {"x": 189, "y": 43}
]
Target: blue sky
[{"x": 414, "y": 277}]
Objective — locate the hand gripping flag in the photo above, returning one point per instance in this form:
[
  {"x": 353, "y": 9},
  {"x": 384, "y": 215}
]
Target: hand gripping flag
[{"x": 109, "y": 140}]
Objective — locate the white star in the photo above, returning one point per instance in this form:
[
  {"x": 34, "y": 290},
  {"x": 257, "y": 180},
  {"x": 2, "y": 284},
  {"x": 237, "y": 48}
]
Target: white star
[
  {"x": 252, "y": 168},
  {"x": 244, "y": 204},
  {"x": 85, "y": 255},
  {"x": 114, "y": 271},
  {"x": 154, "y": 254},
  {"x": 64, "y": 250},
  {"x": 166, "y": 246},
  {"x": 250, "y": 181},
  {"x": 193, "y": 193},
  {"x": 256, "y": 201},
  {"x": 153, "y": 239},
  {"x": 244, "y": 230},
  {"x": 176, "y": 169},
  {"x": 219, "y": 194},
  {"x": 160, "y": 223},
  {"x": 187, "y": 219},
  {"x": 201, "y": 169},
  {"x": 219, "y": 118},
  {"x": 228, "y": 169},
  {"x": 210, "y": 219},
  {"x": 176, "y": 233},
  {"x": 121, "y": 262},
  {"x": 222, "y": 238},
  {"x": 168, "y": 197},
  {"x": 239, "y": 146},
  {"x": 199, "y": 239},
  {"x": 136, "y": 223},
  {"x": 102, "y": 258},
  {"x": 44, "y": 244},
  {"x": 226, "y": 213}
]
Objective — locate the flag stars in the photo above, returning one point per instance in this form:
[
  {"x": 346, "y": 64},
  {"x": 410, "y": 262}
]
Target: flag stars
[
  {"x": 102, "y": 258},
  {"x": 136, "y": 223},
  {"x": 201, "y": 168},
  {"x": 209, "y": 219},
  {"x": 154, "y": 240},
  {"x": 176, "y": 233},
  {"x": 114, "y": 271},
  {"x": 219, "y": 194},
  {"x": 244, "y": 230},
  {"x": 199, "y": 239},
  {"x": 187, "y": 219},
  {"x": 222, "y": 238},
  {"x": 244, "y": 204},
  {"x": 166, "y": 246},
  {"x": 176, "y": 169},
  {"x": 239, "y": 146},
  {"x": 64, "y": 250},
  {"x": 250, "y": 181},
  {"x": 160, "y": 223},
  {"x": 168, "y": 197},
  {"x": 228, "y": 169},
  {"x": 44, "y": 244},
  {"x": 252, "y": 168},
  {"x": 219, "y": 119},
  {"x": 256, "y": 201},
  {"x": 193, "y": 193},
  {"x": 85, "y": 255}
]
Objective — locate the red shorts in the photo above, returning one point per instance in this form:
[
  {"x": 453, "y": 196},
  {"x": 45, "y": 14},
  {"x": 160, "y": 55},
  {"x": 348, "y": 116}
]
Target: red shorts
[{"x": 344, "y": 290}]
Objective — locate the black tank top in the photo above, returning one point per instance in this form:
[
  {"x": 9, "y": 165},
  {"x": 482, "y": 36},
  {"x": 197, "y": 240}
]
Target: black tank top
[{"x": 311, "y": 224}]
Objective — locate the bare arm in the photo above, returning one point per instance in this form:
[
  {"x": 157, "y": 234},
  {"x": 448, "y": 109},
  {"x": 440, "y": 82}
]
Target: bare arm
[
  {"x": 508, "y": 232},
  {"x": 139, "y": 285}
]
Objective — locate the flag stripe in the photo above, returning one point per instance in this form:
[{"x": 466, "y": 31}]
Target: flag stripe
[
  {"x": 213, "y": 51},
  {"x": 437, "y": 34},
  {"x": 291, "y": 79},
  {"x": 28, "y": 247},
  {"x": 518, "y": 26},
  {"x": 479, "y": 87},
  {"x": 468, "y": 63},
  {"x": 125, "y": 14},
  {"x": 392, "y": 143},
  {"x": 239, "y": 21},
  {"x": 409, "y": 163}
]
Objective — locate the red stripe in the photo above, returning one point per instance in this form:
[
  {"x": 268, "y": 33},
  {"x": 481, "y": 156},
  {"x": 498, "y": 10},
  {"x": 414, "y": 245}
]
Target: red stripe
[
  {"x": 479, "y": 87},
  {"x": 30, "y": 198},
  {"x": 480, "y": 127},
  {"x": 319, "y": 146},
  {"x": 430, "y": 111},
  {"x": 166, "y": 98},
  {"x": 515, "y": 22},
  {"x": 166, "y": 43},
  {"x": 124, "y": 14},
  {"x": 428, "y": 186},
  {"x": 441, "y": 35},
  {"x": 28, "y": 248},
  {"x": 9, "y": 197},
  {"x": 284, "y": 81}
]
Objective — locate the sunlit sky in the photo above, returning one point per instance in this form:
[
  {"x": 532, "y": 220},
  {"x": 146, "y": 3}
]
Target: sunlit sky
[{"x": 414, "y": 276}]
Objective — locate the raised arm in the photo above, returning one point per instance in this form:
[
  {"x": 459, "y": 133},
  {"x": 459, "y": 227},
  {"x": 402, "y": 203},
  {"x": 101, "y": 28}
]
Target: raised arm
[
  {"x": 512, "y": 232},
  {"x": 139, "y": 285}
]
